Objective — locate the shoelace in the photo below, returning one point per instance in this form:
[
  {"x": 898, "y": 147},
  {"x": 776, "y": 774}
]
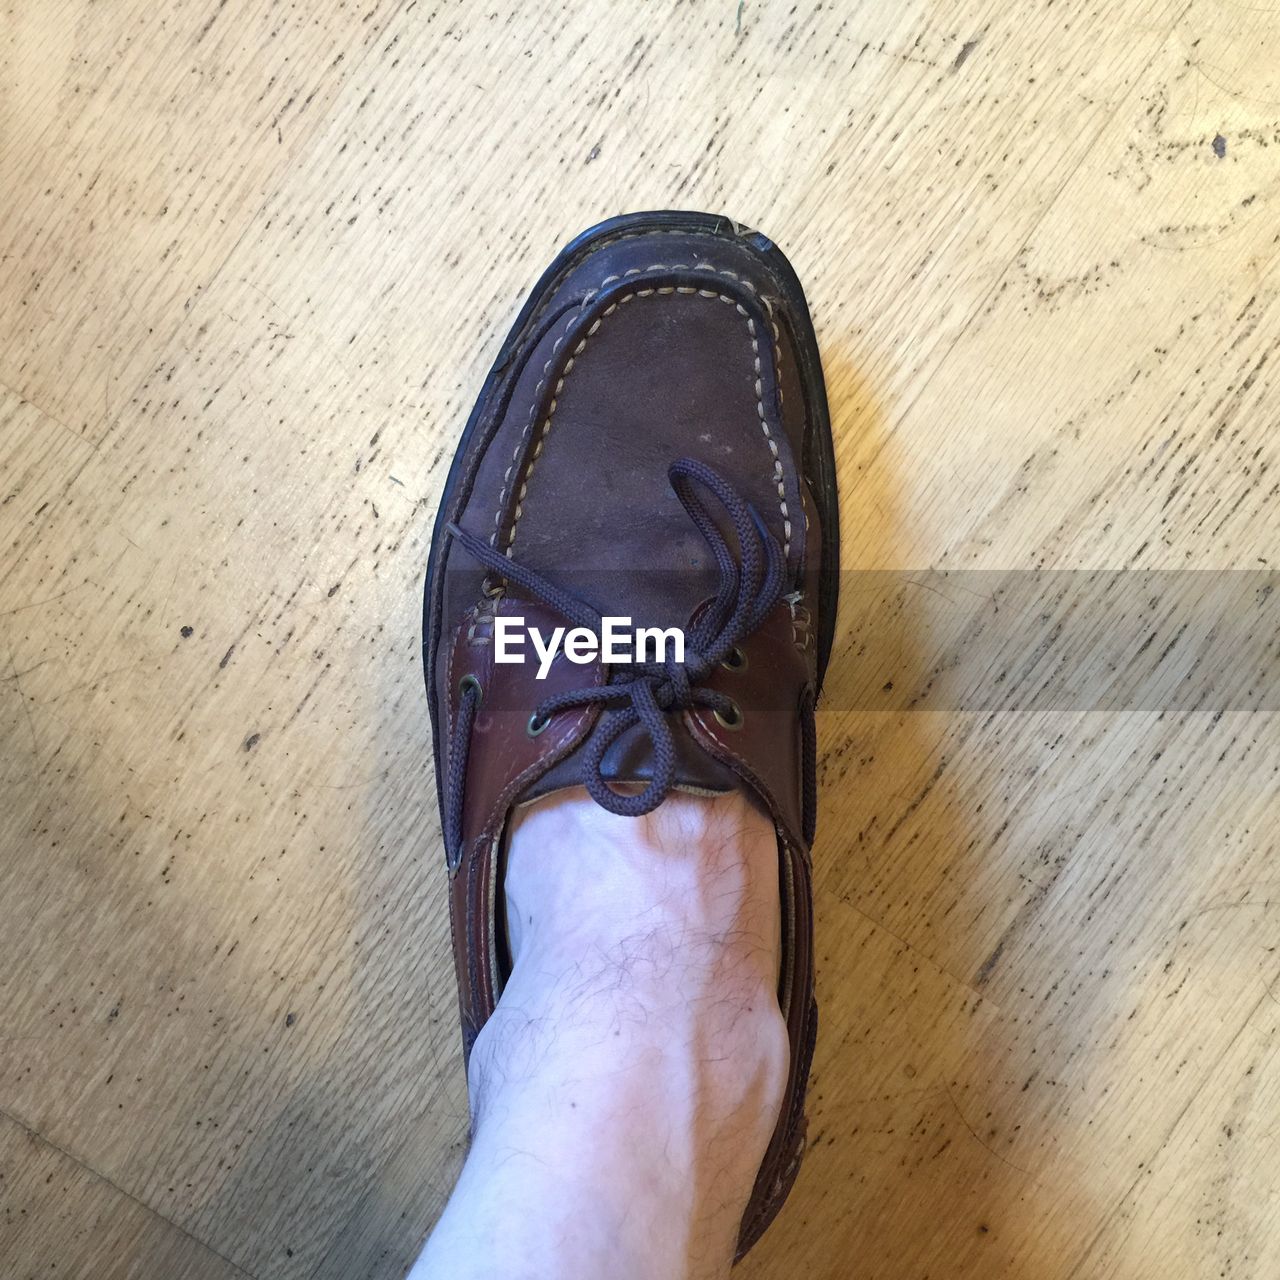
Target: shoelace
[{"x": 644, "y": 693}]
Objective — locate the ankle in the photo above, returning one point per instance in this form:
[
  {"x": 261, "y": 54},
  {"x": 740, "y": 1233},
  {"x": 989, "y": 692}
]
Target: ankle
[
  {"x": 692, "y": 887},
  {"x": 643, "y": 1087},
  {"x": 638, "y": 1042}
]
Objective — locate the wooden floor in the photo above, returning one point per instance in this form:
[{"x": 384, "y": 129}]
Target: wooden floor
[{"x": 254, "y": 260}]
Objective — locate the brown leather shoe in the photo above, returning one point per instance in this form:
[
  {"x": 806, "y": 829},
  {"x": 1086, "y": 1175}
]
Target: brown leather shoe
[{"x": 653, "y": 443}]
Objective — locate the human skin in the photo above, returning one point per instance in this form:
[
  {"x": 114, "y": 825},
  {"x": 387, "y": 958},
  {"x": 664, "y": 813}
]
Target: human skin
[{"x": 626, "y": 1086}]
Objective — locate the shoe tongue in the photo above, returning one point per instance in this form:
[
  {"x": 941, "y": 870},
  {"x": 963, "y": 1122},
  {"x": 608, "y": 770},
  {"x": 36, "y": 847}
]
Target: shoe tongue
[{"x": 630, "y": 759}]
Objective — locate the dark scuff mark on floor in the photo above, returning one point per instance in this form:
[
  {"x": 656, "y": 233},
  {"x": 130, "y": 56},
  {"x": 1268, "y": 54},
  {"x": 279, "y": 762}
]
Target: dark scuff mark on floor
[{"x": 963, "y": 56}]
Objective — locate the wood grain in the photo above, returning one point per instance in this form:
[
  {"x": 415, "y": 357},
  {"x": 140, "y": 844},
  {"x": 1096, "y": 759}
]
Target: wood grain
[
  {"x": 59, "y": 1218},
  {"x": 254, "y": 261}
]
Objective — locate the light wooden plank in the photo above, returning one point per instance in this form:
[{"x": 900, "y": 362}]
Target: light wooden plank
[{"x": 138, "y": 140}]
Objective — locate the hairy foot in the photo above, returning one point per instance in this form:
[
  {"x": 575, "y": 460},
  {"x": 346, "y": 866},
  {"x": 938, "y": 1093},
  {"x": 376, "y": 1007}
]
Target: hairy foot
[{"x": 637, "y": 1059}]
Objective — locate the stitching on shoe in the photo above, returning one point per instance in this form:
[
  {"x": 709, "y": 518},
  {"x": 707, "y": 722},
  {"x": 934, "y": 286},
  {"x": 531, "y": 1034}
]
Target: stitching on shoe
[
  {"x": 686, "y": 290},
  {"x": 691, "y": 233},
  {"x": 448, "y": 722},
  {"x": 473, "y": 960},
  {"x": 556, "y": 750}
]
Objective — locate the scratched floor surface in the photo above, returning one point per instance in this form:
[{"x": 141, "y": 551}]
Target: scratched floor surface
[{"x": 254, "y": 260}]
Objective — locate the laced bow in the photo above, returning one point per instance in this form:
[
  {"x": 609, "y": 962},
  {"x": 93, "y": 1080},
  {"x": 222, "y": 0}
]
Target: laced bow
[{"x": 644, "y": 693}]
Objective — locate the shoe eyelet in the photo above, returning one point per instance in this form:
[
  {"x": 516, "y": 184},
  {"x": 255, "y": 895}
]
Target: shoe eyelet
[
  {"x": 468, "y": 683},
  {"x": 535, "y": 725},
  {"x": 734, "y": 721},
  {"x": 736, "y": 661}
]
